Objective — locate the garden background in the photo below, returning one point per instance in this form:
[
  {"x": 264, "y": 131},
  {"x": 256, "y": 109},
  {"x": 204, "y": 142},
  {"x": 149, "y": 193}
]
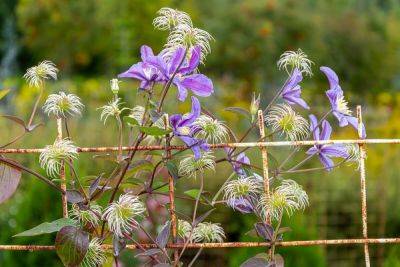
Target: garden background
[{"x": 92, "y": 41}]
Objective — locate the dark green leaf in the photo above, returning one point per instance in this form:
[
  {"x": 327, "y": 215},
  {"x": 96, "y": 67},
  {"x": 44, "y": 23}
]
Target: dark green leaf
[
  {"x": 153, "y": 131},
  {"x": 240, "y": 111},
  {"x": 130, "y": 120},
  {"x": 9, "y": 181},
  {"x": 47, "y": 227},
  {"x": 71, "y": 245},
  {"x": 193, "y": 193},
  {"x": 163, "y": 236},
  {"x": 172, "y": 169}
]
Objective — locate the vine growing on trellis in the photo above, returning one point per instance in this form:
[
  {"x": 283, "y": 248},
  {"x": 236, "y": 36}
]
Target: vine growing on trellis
[{"x": 88, "y": 226}]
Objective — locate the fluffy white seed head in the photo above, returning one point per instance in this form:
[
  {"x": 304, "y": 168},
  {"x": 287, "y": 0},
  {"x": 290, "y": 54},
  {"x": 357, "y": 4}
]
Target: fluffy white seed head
[
  {"x": 188, "y": 36},
  {"x": 36, "y": 75},
  {"x": 212, "y": 130},
  {"x": 138, "y": 114},
  {"x": 189, "y": 166},
  {"x": 121, "y": 215},
  {"x": 112, "y": 109},
  {"x": 354, "y": 155},
  {"x": 114, "y": 84},
  {"x": 283, "y": 118},
  {"x": 295, "y": 59},
  {"x": 95, "y": 255},
  {"x": 242, "y": 187},
  {"x": 169, "y": 18},
  {"x": 62, "y": 104},
  {"x": 52, "y": 156},
  {"x": 288, "y": 197},
  {"x": 90, "y": 215},
  {"x": 208, "y": 232},
  {"x": 184, "y": 228}
]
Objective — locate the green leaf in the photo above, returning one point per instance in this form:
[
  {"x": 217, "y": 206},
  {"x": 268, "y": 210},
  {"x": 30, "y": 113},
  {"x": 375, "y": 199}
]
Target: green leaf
[
  {"x": 240, "y": 111},
  {"x": 139, "y": 165},
  {"x": 47, "y": 227},
  {"x": 193, "y": 193},
  {"x": 9, "y": 181},
  {"x": 153, "y": 131},
  {"x": 162, "y": 189},
  {"x": 4, "y": 92},
  {"x": 72, "y": 244},
  {"x": 172, "y": 169},
  {"x": 130, "y": 120}
]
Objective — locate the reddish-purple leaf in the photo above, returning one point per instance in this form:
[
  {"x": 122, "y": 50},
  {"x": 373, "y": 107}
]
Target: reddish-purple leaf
[
  {"x": 264, "y": 230},
  {"x": 74, "y": 196},
  {"x": 9, "y": 180},
  {"x": 163, "y": 236},
  {"x": 72, "y": 244}
]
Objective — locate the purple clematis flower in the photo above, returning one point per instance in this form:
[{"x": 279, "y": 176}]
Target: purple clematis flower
[
  {"x": 144, "y": 71},
  {"x": 181, "y": 71},
  {"x": 182, "y": 127},
  {"x": 291, "y": 93},
  {"x": 238, "y": 161},
  {"x": 339, "y": 105},
  {"x": 325, "y": 152},
  {"x": 240, "y": 204}
]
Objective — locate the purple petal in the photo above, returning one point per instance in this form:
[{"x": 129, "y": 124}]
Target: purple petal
[
  {"x": 314, "y": 126},
  {"x": 335, "y": 151},
  {"x": 194, "y": 60},
  {"x": 189, "y": 118},
  {"x": 312, "y": 150},
  {"x": 182, "y": 91},
  {"x": 332, "y": 77},
  {"x": 199, "y": 84},
  {"x": 294, "y": 80},
  {"x": 174, "y": 120},
  {"x": 326, "y": 161},
  {"x": 354, "y": 122},
  {"x": 176, "y": 60},
  {"x": 135, "y": 72},
  {"x": 326, "y": 130},
  {"x": 292, "y": 100},
  {"x": 146, "y": 52}
]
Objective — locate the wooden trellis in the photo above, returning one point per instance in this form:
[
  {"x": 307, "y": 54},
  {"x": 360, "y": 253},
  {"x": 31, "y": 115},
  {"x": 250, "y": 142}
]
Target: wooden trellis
[{"x": 263, "y": 146}]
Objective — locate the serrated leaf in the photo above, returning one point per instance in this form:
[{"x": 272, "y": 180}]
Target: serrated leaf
[
  {"x": 71, "y": 244},
  {"x": 47, "y": 227},
  {"x": 163, "y": 236},
  {"x": 9, "y": 181},
  {"x": 153, "y": 130},
  {"x": 172, "y": 169},
  {"x": 74, "y": 196},
  {"x": 4, "y": 92},
  {"x": 240, "y": 111}
]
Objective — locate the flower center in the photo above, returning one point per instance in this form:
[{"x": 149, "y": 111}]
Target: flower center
[
  {"x": 184, "y": 130},
  {"x": 342, "y": 106}
]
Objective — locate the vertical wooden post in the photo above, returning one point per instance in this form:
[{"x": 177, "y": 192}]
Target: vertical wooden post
[
  {"x": 171, "y": 191},
  {"x": 264, "y": 155},
  {"x": 62, "y": 173},
  {"x": 363, "y": 190}
]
